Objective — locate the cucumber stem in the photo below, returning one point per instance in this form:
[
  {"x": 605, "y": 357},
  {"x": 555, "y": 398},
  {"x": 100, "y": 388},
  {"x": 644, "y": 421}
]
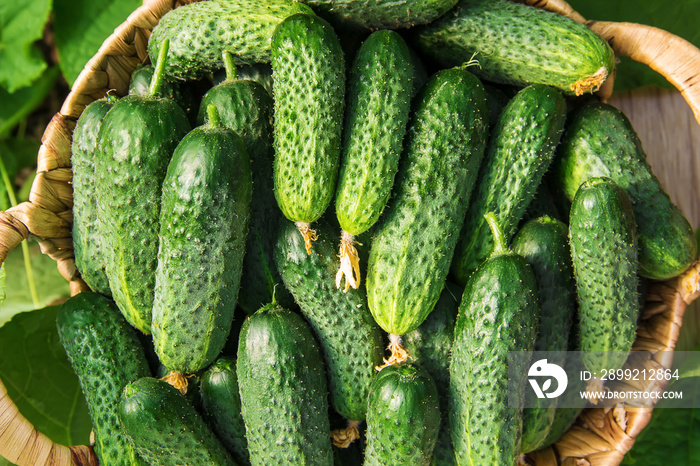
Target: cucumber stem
[
  {"x": 308, "y": 234},
  {"x": 229, "y": 66},
  {"x": 157, "y": 79},
  {"x": 349, "y": 263},
  {"x": 499, "y": 239},
  {"x": 213, "y": 118},
  {"x": 343, "y": 438}
]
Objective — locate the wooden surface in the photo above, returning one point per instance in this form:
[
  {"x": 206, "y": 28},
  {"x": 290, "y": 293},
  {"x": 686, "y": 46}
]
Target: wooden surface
[{"x": 671, "y": 139}]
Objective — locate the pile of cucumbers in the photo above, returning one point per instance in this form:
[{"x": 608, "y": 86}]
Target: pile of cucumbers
[{"x": 314, "y": 231}]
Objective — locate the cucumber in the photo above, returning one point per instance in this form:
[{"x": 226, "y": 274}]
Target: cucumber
[
  {"x": 221, "y": 404},
  {"x": 600, "y": 141},
  {"x": 403, "y": 417},
  {"x": 283, "y": 390},
  {"x": 498, "y": 313},
  {"x": 308, "y": 69},
  {"x": 199, "y": 32},
  {"x": 603, "y": 238},
  {"x": 414, "y": 243},
  {"x": 106, "y": 354},
  {"x": 136, "y": 140},
  {"x": 165, "y": 428},
  {"x": 519, "y": 45},
  {"x": 246, "y": 108},
  {"x": 86, "y": 239},
  {"x": 544, "y": 243},
  {"x": 381, "y": 14},
  {"x": 379, "y": 94},
  {"x": 430, "y": 346},
  {"x": 203, "y": 228},
  {"x": 350, "y": 340},
  {"x": 519, "y": 152}
]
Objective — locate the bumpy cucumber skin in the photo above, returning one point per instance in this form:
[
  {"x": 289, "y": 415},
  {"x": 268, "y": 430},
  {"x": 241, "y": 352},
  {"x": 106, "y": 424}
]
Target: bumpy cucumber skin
[
  {"x": 430, "y": 346},
  {"x": 544, "y": 243},
  {"x": 516, "y": 44},
  {"x": 106, "y": 354},
  {"x": 379, "y": 95},
  {"x": 519, "y": 152},
  {"x": 414, "y": 242},
  {"x": 350, "y": 339},
  {"x": 498, "y": 313},
  {"x": 221, "y": 403},
  {"x": 86, "y": 239},
  {"x": 203, "y": 229},
  {"x": 603, "y": 238},
  {"x": 382, "y": 14},
  {"x": 166, "y": 429},
  {"x": 245, "y": 107},
  {"x": 283, "y": 390},
  {"x": 137, "y": 139},
  {"x": 403, "y": 417},
  {"x": 198, "y": 32},
  {"x": 308, "y": 70},
  {"x": 600, "y": 141}
]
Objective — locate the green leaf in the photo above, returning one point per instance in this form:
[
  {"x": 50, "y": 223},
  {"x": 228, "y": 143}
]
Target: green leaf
[
  {"x": 678, "y": 18},
  {"x": 18, "y": 105},
  {"x": 21, "y": 24},
  {"x": 81, "y": 26},
  {"x": 39, "y": 378},
  {"x": 51, "y": 286}
]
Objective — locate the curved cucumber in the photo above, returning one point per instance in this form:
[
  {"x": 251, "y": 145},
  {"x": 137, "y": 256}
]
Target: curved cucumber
[
  {"x": 379, "y": 95},
  {"x": 350, "y": 339},
  {"x": 308, "y": 68},
  {"x": 518, "y": 154},
  {"x": 403, "y": 417},
  {"x": 603, "y": 237},
  {"x": 221, "y": 403},
  {"x": 498, "y": 313},
  {"x": 203, "y": 227},
  {"x": 86, "y": 239},
  {"x": 518, "y": 44},
  {"x": 106, "y": 354},
  {"x": 600, "y": 141},
  {"x": 165, "y": 428},
  {"x": 414, "y": 243},
  {"x": 282, "y": 383}
]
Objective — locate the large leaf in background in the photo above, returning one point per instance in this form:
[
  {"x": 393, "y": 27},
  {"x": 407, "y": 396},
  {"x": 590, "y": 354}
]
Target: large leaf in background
[
  {"x": 19, "y": 104},
  {"x": 39, "y": 379},
  {"x": 679, "y": 18},
  {"x": 51, "y": 286},
  {"x": 80, "y": 27},
  {"x": 21, "y": 24}
]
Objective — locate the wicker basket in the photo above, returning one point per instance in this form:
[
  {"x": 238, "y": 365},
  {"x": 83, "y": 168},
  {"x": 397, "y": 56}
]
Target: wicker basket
[{"x": 599, "y": 437}]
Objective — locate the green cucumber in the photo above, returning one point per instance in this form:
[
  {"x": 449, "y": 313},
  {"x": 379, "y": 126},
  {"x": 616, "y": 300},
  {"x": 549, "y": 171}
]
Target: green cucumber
[
  {"x": 382, "y": 14},
  {"x": 519, "y": 45},
  {"x": 136, "y": 140},
  {"x": 379, "y": 94},
  {"x": 203, "y": 228},
  {"x": 403, "y": 417},
  {"x": 544, "y": 243},
  {"x": 166, "y": 429},
  {"x": 86, "y": 239},
  {"x": 498, "y": 314},
  {"x": 603, "y": 238},
  {"x": 600, "y": 141},
  {"x": 430, "y": 346},
  {"x": 106, "y": 354},
  {"x": 246, "y": 108},
  {"x": 282, "y": 383},
  {"x": 221, "y": 404},
  {"x": 520, "y": 150},
  {"x": 414, "y": 243},
  {"x": 199, "y": 32},
  {"x": 350, "y": 340},
  {"x": 308, "y": 69}
]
